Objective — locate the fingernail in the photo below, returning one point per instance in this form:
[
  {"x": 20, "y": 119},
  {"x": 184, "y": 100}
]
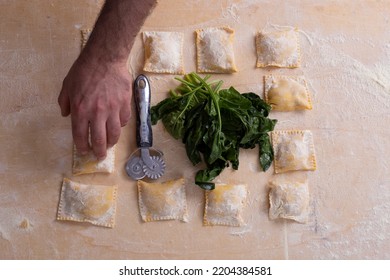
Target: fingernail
[{"x": 100, "y": 157}]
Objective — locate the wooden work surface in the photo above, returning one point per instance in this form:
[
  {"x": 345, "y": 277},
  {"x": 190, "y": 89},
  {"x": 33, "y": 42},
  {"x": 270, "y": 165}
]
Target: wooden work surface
[{"x": 345, "y": 49}]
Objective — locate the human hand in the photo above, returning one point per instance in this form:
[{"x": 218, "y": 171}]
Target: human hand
[{"x": 97, "y": 96}]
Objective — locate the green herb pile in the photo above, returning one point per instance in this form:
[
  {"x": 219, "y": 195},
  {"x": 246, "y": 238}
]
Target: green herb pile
[{"x": 214, "y": 124}]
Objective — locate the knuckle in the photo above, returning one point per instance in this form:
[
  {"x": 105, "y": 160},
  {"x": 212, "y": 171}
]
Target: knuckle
[
  {"x": 100, "y": 106},
  {"x": 99, "y": 141},
  {"x": 126, "y": 98},
  {"x": 116, "y": 132},
  {"x": 114, "y": 136},
  {"x": 78, "y": 134},
  {"x": 79, "y": 108}
]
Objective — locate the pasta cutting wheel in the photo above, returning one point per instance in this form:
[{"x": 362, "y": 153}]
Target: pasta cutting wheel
[
  {"x": 156, "y": 169},
  {"x": 134, "y": 168},
  {"x": 153, "y": 168},
  {"x": 145, "y": 161}
]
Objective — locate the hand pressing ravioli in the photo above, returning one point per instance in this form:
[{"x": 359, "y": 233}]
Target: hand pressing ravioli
[{"x": 90, "y": 164}]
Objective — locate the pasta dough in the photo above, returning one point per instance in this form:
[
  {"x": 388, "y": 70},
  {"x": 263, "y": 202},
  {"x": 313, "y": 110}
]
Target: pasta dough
[
  {"x": 289, "y": 200},
  {"x": 215, "y": 50},
  {"x": 278, "y": 48},
  {"x": 162, "y": 201},
  {"x": 89, "y": 163},
  {"x": 85, "y": 33},
  {"x": 294, "y": 150},
  {"x": 224, "y": 205},
  {"x": 163, "y": 52},
  {"x": 95, "y": 204},
  {"x": 287, "y": 93}
]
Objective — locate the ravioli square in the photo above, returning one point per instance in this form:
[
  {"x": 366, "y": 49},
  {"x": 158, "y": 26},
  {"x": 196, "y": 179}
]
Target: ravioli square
[
  {"x": 278, "y": 48},
  {"x": 287, "y": 93},
  {"x": 95, "y": 204},
  {"x": 294, "y": 150},
  {"x": 224, "y": 205},
  {"x": 90, "y": 164},
  {"x": 163, "y": 52},
  {"x": 215, "y": 52},
  {"x": 162, "y": 201},
  {"x": 289, "y": 200}
]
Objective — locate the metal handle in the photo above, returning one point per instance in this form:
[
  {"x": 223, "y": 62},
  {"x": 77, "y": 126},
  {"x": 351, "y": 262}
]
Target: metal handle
[{"x": 142, "y": 102}]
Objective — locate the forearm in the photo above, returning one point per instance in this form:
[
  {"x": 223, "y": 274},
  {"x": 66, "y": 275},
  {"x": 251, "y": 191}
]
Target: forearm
[
  {"x": 97, "y": 90},
  {"x": 115, "y": 30}
]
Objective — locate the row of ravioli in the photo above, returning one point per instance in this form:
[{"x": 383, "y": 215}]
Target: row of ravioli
[
  {"x": 215, "y": 52},
  {"x": 96, "y": 204}
]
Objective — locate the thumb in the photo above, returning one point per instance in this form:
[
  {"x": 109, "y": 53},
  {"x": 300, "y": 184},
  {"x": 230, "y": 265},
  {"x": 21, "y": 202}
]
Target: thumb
[{"x": 64, "y": 102}]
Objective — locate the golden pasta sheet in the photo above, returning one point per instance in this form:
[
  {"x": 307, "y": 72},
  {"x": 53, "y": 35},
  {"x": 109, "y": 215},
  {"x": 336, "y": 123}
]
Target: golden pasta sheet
[
  {"x": 163, "y": 52},
  {"x": 287, "y": 93},
  {"x": 289, "y": 200},
  {"x": 294, "y": 150},
  {"x": 90, "y": 164},
  {"x": 278, "y": 48},
  {"x": 95, "y": 204},
  {"x": 162, "y": 201},
  {"x": 224, "y": 205},
  {"x": 215, "y": 50}
]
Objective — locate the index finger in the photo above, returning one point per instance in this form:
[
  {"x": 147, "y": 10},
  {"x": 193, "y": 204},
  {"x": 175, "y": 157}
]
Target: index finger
[
  {"x": 99, "y": 138},
  {"x": 80, "y": 134}
]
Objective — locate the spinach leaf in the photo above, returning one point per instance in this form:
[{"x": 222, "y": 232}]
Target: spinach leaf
[{"x": 214, "y": 124}]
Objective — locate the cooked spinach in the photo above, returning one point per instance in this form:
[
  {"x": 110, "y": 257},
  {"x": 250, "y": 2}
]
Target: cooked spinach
[{"x": 214, "y": 124}]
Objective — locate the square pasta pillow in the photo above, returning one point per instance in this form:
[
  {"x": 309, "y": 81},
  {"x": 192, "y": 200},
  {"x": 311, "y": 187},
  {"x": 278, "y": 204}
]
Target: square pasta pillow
[
  {"x": 215, "y": 50},
  {"x": 289, "y": 200},
  {"x": 278, "y": 48},
  {"x": 162, "y": 201},
  {"x": 287, "y": 93},
  {"x": 95, "y": 204},
  {"x": 224, "y": 205},
  {"x": 90, "y": 164},
  {"x": 294, "y": 150},
  {"x": 163, "y": 52}
]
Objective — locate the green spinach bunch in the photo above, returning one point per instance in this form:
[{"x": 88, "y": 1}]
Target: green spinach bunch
[{"x": 214, "y": 124}]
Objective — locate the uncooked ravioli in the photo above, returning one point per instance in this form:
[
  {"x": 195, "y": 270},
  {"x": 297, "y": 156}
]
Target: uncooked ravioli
[
  {"x": 95, "y": 204},
  {"x": 215, "y": 52},
  {"x": 224, "y": 205},
  {"x": 162, "y": 201},
  {"x": 278, "y": 48}
]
